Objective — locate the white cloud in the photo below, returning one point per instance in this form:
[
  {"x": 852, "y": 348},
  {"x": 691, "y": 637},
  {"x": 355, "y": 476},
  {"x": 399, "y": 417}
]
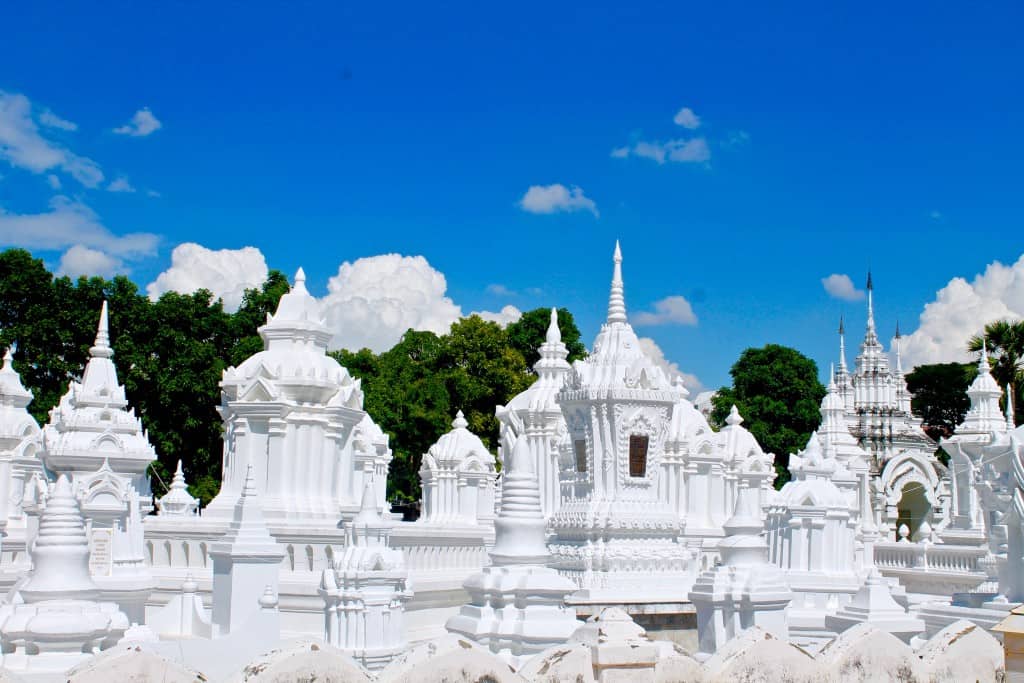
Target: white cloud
[
  {"x": 53, "y": 181},
  {"x": 80, "y": 260},
  {"x": 672, "y": 310},
  {"x": 657, "y": 356},
  {"x": 372, "y": 301},
  {"x": 500, "y": 290},
  {"x": 22, "y": 145},
  {"x": 556, "y": 198},
  {"x": 120, "y": 184},
  {"x": 70, "y": 223},
  {"x": 687, "y": 119},
  {"x": 152, "y": 193},
  {"x": 142, "y": 124},
  {"x": 508, "y": 314},
  {"x": 840, "y": 286},
  {"x": 961, "y": 310},
  {"x": 51, "y": 120},
  {"x": 225, "y": 272},
  {"x": 680, "y": 150}
]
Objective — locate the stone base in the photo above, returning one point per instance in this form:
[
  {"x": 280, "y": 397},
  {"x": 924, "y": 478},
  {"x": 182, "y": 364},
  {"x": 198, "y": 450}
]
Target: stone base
[
  {"x": 674, "y": 622},
  {"x": 937, "y": 616}
]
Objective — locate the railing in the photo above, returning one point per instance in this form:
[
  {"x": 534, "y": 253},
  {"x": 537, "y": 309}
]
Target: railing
[{"x": 929, "y": 557}]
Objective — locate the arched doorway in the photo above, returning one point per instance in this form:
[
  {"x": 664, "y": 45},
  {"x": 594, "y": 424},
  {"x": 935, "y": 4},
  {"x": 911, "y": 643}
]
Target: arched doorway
[{"x": 913, "y": 508}]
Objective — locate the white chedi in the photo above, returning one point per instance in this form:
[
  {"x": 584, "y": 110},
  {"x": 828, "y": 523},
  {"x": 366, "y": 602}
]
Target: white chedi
[
  {"x": 60, "y": 623},
  {"x": 92, "y": 428},
  {"x": 457, "y": 476},
  {"x": 534, "y": 415},
  {"x": 178, "y": 502},
  {"x": 517, "y": 606},
  {"x": 366, "y": 589},
  {"x": 296, "y": 415},
  {"x": 245, "y": 563},
  {"x": 614, "y": 536},
  {"x": 745, "y": 589},
  {"x": 20, "y": 443}
]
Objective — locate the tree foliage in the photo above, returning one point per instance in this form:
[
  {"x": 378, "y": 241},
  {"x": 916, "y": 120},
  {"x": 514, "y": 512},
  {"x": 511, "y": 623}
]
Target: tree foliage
[
  {"x": 940, "y": 395},
  {"x": 526, "y": 334},
  {"x": 776, "y": 390},
  {"x": 169, "y": 353},
  {"x": 1004, "y": 341},
  {"x": 414, "y": 389}
]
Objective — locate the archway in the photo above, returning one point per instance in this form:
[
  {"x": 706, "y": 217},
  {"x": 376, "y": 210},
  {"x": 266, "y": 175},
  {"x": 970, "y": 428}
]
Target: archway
[{"x": 913, "y": 508}]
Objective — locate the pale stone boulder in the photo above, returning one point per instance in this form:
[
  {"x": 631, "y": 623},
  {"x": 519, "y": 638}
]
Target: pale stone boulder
[
  {"x": 570, "y": 663},
  {"x": 962, "y": 651},
  {"x": 449, "y": 659},
  {"x": 863, "y": 654},
  {"x": 674, "y": 665},
  {"x": 303, "y": 661},
  {"x": 756, "y": 656},
  {"x": 131, "y": 664}
]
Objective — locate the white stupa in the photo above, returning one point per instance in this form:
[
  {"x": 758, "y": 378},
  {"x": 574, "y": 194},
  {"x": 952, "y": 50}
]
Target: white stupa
[
  {"x": 745, "y": 589},
  {"x": 60, "y": 623},
  {"x": 615, "y": 537},
  {"x": 457, "y": 475},
  {"x": 177, "y": 502},
  {"x": 296, "y": 415},
  {"x": 20, "y": 443},
  {"x": 517, "y": 605},
  {"x": 245, "y": 563},
  {"x": 365, "y": 591},
  {"x": 534, "y": 415},
  {"x": 96, "y": 439}
]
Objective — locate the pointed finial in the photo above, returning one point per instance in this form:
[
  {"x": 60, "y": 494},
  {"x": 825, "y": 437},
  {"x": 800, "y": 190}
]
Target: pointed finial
[
  {"x": 831, "y": 376},
  {"x": 368, "y": 512},
  {"x": 842, "y": 328},
  {"x": 842, "y": 345},
  {"x": 8, "y": 358},
  {"x": 460, "y": 421},
  {"x": 101, "y": 347},
  {"x": 897, "y": 329},
  {"x": 734, "y": 417},
  {"x": 617, "y": 300},
  {"x": 1010, "y": 417},
  {"x": 300, "y": 281},
  {"x": 870, "y": 285},
  {"x": 983, "y": 357},
  {"x": 871, "y": 307},
  {"x": 554, "y": 334},
  {"x": 899, "y": 355}
]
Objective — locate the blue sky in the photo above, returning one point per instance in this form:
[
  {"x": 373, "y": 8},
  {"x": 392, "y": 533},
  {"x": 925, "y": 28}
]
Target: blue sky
[{"x": 833, "y": 139}]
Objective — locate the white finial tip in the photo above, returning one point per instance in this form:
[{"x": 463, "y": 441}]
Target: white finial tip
[
  {"x": 300, "y": 275},
  {"x": 734, "y": 416},
  {"x": 8, "y": 358},
  {"x": 460, "y": 421},
  {"x": 618, "y": 252},
  {"x": 554, "y": 334}
]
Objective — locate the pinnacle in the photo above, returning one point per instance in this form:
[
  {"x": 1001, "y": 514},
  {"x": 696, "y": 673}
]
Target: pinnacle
[{"x": 460, "y": 421}]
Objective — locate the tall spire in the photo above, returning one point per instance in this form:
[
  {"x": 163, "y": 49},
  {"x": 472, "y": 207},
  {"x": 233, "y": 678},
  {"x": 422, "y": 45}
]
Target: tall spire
[
  {"x": 899, "y": 357},
  {"x": 1010, "y": 421},
  {"x": 101, "y": 347},
  {"x": 842, "y": 346},
  {"x": 871, "y": 308},
  {"x": 616, "y": 300}
]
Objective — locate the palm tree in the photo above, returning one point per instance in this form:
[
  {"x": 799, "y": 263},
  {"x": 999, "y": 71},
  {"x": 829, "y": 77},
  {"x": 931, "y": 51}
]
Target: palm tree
[{"x": 1004, "y": 341}]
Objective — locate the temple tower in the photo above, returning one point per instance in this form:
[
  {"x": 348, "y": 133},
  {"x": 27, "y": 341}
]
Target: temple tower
[{"x": 615, "y": 536}]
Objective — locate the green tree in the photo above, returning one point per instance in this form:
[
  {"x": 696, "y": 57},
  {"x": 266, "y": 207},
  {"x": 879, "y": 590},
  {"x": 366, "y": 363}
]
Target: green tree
[
  {"x": 1004, "y": 340},
  {"x": 528, "y": 333},
  {"x": 940, "y": 395},
  {"x": 776, "y": 390}
]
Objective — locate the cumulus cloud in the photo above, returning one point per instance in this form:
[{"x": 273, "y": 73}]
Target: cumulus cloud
[
  {"x": 657, "y": 356},
  {"x": 687, "y": 119},
  {"x": 672, "y": 310},
  {"x": 683, "y": 151},
  {"x": 70, "y": 223},
  {"x": 23, "y": 146},
  {"x": 81, "y": 260},
  {"x": 51, "y": 120},
  {"x": 372, "y": 301},
  {"x": 961, "y": 310},
  {"x": 121, "y": 184},
  {"x": 142, "y": 124},
  {"x": 556, "y": 198},
  {"x": 508, "y": 314},
  {"x": 225, "y": 272},
  {"x": 840, "y": 286},
  {"x": 500, "y": 290}
]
